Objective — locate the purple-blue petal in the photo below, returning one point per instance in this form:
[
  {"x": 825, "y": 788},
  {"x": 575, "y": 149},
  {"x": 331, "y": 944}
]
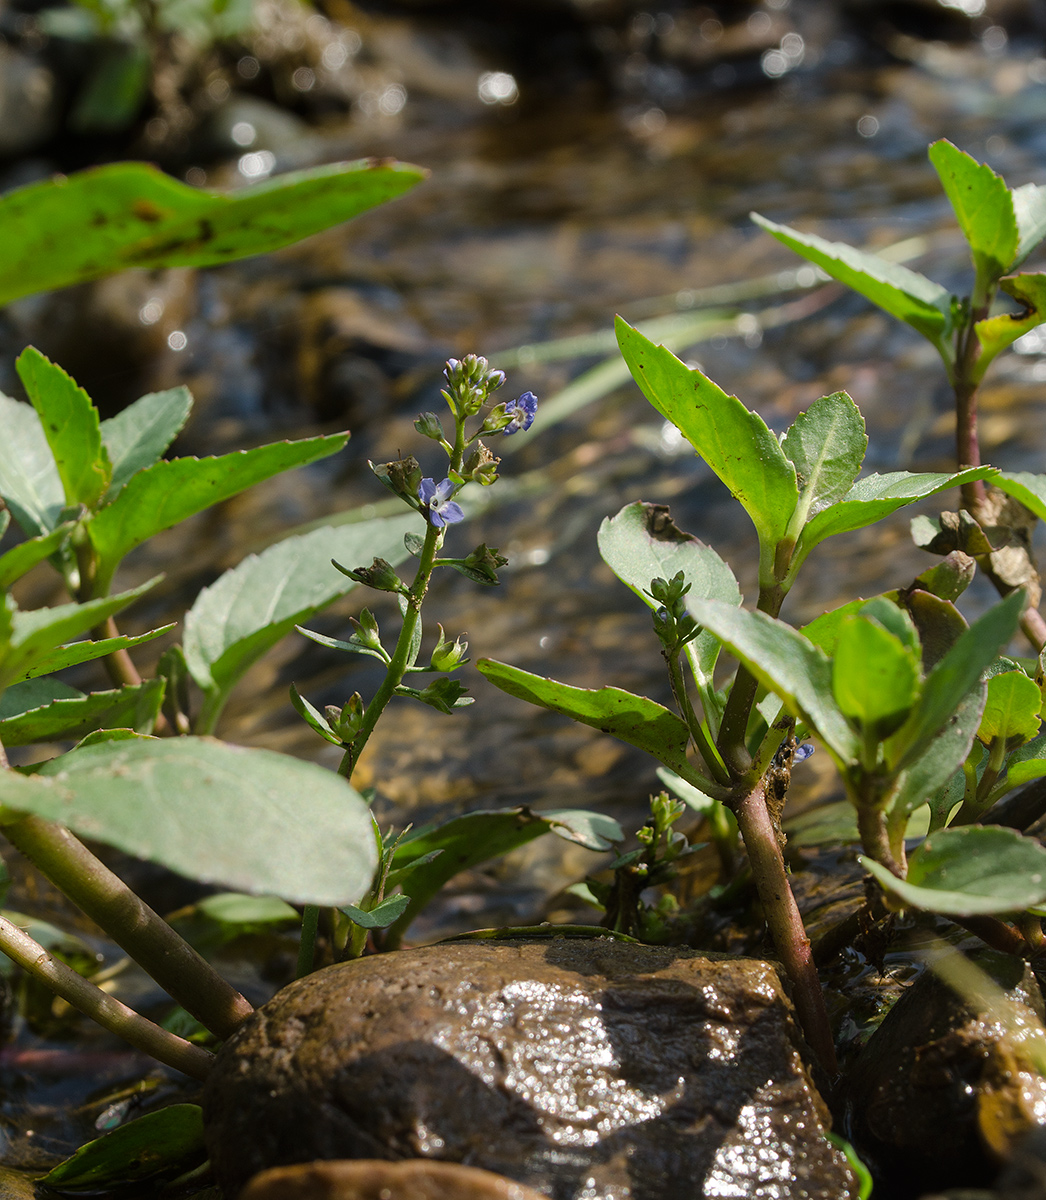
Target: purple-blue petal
[
  {"x": 452, "y": 512},
  {"x": 427, "y": 491},
  {"x": 444, "y": 490}
]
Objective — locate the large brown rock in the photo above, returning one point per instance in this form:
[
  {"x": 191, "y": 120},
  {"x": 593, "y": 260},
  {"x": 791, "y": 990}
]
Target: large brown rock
[{"x": 586, "y": 1069}]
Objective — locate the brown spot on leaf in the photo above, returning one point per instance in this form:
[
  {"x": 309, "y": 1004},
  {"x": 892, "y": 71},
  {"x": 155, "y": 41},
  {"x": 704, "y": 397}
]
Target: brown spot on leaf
[
  {"x": 661, "y": 527},
  {"x": 145, "y": 210}
]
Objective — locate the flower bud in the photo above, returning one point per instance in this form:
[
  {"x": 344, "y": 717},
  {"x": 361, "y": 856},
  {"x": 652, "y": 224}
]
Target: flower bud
[
  {"x": 379, "y": 575},
  {"x": 447, "y": 656},
  {"x": 428, "y": 425}
]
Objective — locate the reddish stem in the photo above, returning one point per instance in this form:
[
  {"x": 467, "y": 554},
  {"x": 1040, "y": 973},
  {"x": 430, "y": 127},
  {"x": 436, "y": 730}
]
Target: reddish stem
[{"x": 785, "y": 924}]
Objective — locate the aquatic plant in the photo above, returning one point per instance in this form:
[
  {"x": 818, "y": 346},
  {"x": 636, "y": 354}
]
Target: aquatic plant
[{"x": 917, "y": 709}]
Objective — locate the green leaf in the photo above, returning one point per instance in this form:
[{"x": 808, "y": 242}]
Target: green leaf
[
  {"x": 969, "y": 871},
  {"x": 166, "y": 1142},
  {"x": 735, "y": 442},
  {"x": 885, "y": 610},
  {"x": 926, "y": 779},
  {"x": 1012, "y": 708},
  {"x": 823, "y": 631},
  {"x": 633, "y": 719},
  {"x": 75, "y": 653},
  {"x": 312, "y": 717},
  {"x": 29, "y": 480},
  {"x": 463, "y": 842},
  {"x": 1027, "y": 762},
  {"x": 132, "y": 215},
  {"x": 827, "y": 824},
  {"x": 251, "y": 820},
  {"x": 249, "y": 609},
  {"x": 983, "y": 207},
  {"x": 381, "y": 916},
  {"x": 1029, "y": 489},
  {"x": 34, "y": 693},
  {"x": 642, "y": 543},
  {"x": 996, "y": 333},
  {"x": 137, "y": 437},
  {"x": 167, "y": 492},
  {"x": 71, "y": 716},
  {"x": 235, "y": 908},
  {"x": 786, "y": 663},
  {"x": 876, "y": 496},
  {"x": 71, "y": 426},
  {"x": 875, "y": 678},
  {"x": 34, "y": 635},
  {"x": 903, "y": 293},
  {"x": 1029, "y": 207},
  {"x": 953, "y": 677},
  {"x": 826, "y": 445},
  {"x": 22, "y": 558},
  {"x": 592, "y": 830}
]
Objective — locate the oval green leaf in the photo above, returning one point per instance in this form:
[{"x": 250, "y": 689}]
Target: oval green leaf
[
  {"x": 80, "y": 227},
  {"x": 642, "y": 543},
  {"x": 251, "y": 820},
  {"x": 969, "y": 871},
  {"x": 734, "y": 441},
  {"x": 166, "y": 1142},
  {"x": 1012, "y": 708},
  {"x": 246, "y": 611},
  {"x": 875, "y": 678}
]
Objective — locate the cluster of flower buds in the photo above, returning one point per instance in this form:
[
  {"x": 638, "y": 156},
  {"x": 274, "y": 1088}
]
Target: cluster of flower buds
[
  {"x": 673, "y": 625},
  {"x": 470, "y": 382}
]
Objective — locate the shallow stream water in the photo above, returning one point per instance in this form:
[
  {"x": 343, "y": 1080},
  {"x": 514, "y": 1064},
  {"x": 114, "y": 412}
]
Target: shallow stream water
[{"x": 542, "y": 218}]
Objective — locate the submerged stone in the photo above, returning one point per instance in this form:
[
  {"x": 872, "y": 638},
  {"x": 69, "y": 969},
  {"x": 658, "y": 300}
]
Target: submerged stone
[
  {"x": 941, "y": 1093},
  {"x": 588, "y": 1069}
]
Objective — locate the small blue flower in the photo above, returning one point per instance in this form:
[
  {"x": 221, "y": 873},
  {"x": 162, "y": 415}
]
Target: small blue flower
[
  {"x": 522, "y": 412},
  {"x": 802, "y": 752},
  {"x": 436, "y": 498}
]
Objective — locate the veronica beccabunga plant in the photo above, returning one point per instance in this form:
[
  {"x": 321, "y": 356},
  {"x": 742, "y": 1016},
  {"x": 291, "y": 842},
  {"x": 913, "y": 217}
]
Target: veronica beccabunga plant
[{"x": 915, "y": 707}]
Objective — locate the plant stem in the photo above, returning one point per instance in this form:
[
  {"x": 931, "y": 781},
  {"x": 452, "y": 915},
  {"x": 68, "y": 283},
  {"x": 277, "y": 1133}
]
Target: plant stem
[
  {"x": 875, "y": 837},
  {"x": 785, "y": 923},
  {"x": 964, "y": 383},
  {"x": 310, "y": 920},
  {"x": 401, "y": 656},
  {"x": 93, "y": 1002},
  {"x": 733, "y": 731},
  {"x": 698, "y": 735},
  {"x": 182, "y": 973}
]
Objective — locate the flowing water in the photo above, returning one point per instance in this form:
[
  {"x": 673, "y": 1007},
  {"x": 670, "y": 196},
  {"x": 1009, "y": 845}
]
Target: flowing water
[{"x": 626, "y": 190}]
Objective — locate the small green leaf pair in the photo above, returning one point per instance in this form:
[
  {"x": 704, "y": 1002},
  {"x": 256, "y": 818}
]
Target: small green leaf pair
[
  {"x": 1001, "y": 227},
  {"x": 799, "y": 490}
]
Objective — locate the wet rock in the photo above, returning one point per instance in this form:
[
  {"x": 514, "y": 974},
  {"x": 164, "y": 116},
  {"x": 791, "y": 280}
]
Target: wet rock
[
  {"x": 579, "y": 1067},
  {"x": 369, "y": 1179},
  {"x": 938, "y": 1096}
]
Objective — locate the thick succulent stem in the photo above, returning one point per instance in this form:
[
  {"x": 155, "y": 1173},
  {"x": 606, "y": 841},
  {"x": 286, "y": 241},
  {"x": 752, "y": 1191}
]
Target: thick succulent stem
[
  {"x": 131, "y": 923},
  {"x": 99, "y": 1006},
  {"x": 784, "y": 922}
]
